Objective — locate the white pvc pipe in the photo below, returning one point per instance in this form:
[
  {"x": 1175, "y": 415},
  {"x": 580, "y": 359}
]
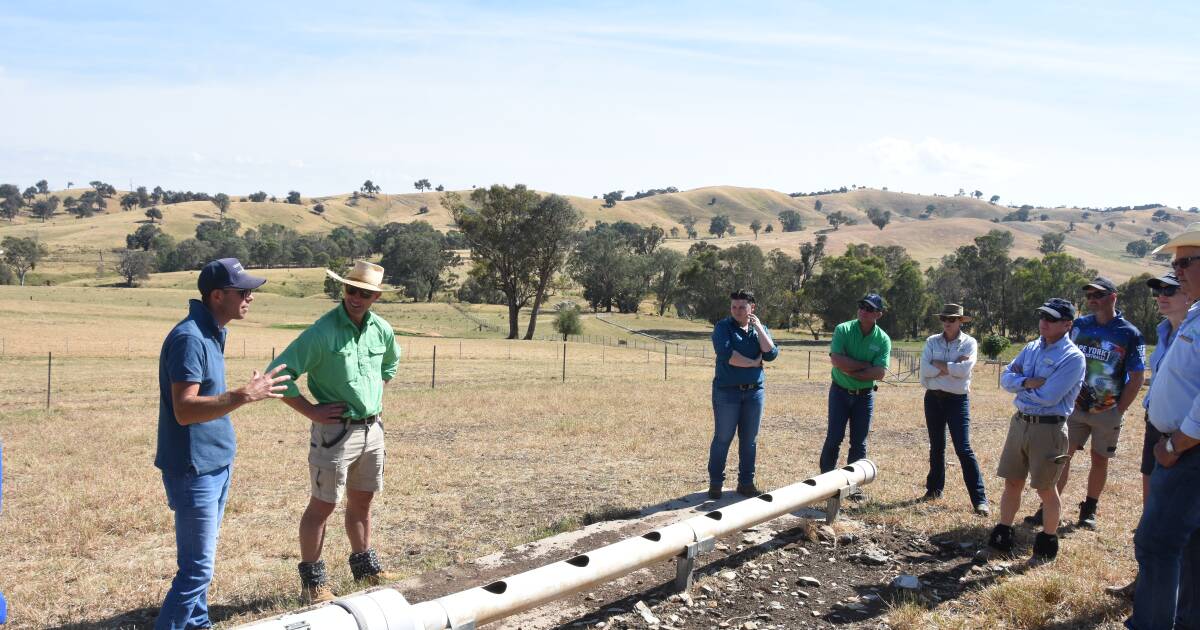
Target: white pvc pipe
[{"x": 379, "y": 610}]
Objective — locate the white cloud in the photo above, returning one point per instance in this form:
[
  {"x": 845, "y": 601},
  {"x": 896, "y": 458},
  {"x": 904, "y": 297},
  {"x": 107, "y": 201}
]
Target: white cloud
[{"x": 937, "y": 160}]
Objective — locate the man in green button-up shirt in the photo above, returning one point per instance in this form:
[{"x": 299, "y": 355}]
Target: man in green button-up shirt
[{"x": 349, "y": 354}]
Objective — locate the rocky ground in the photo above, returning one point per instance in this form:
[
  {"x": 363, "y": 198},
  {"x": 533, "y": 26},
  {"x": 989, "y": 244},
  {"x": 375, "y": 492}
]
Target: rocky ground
[{"x": 794, "y": 572}]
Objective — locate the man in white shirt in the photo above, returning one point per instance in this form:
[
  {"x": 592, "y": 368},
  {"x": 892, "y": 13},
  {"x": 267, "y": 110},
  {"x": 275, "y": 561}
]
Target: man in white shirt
[
  {"x": 1166, "y": 543},
  {"x": 946, "y": 365}
]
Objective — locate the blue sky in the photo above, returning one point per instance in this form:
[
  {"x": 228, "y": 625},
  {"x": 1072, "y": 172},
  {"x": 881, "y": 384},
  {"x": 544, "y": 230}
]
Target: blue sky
[{"x": 1076, "y": 103}]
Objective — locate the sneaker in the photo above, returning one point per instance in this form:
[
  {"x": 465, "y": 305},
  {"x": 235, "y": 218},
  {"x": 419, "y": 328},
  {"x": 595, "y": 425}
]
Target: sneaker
[
  {"x": 1045, "y": 549},
  {"x": 932, "y": 495},
  {"x": 1087, "y": 515},
  {"x": 982, "y": 509},
  {"x": 1035, "y": 519},
  {"x": 714, "y": 491},
  {"x": 748, "y": 489},
  {"x": 1123, "y": 592},
  {"x": 315, "y": 594}
]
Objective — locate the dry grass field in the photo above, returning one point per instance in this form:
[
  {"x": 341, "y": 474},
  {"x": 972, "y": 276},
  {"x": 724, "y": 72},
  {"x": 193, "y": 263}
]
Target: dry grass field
[{"x": 501, "y": 452}]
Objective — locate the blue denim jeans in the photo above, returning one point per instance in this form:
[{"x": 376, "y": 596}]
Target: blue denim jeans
[
  {"x": 1167, "y": 549},
  {"x": 953, "y": 412},
  {"x": 846, "y": 408},
  {"x": 734, "y": 411},
  {"x": 199, "y": 505}
]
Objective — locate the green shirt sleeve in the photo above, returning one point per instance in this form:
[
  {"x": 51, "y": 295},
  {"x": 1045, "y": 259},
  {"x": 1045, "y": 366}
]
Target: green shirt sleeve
[
  {"x": 885, "y": 356},
  {"x": 300, "y": 357},
  {"x": 838, "y": 344},
  {"x": 391, "y": 356}
]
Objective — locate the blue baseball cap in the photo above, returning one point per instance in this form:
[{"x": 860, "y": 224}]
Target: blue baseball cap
[
  {"x": 1058, "y": 308},
  {"x": 872, "y": 300},
  {"x": 1163, "y": 281},
  {"x": 226, "y": 273}
]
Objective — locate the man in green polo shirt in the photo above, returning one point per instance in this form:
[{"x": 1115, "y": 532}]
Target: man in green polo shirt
[
  {"x": 860, "y": 352},
  {"x": 349, "y": 354}
]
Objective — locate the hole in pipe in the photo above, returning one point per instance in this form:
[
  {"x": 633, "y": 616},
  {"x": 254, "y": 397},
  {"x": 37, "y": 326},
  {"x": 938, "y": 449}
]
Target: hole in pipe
[
  {"x": 714, "y": 515},
  {"x": 655, "y": 536},
  {"x": 848, "y": 468},
  {"x": 496, "y": 587},
  {"x": 579, "y": 561},
  {"x": 766, "y": 497},
  {"x": 810, "y": 482}
]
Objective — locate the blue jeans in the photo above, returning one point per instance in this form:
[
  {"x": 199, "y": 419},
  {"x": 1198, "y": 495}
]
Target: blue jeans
[
  {"x": 1167, "y": 549},
  {"x": 735, "y": 411},
  {"x": 844, "y": 408},
  {"x": 951, "y": 411},
  {"x": 199, "y": 505}
]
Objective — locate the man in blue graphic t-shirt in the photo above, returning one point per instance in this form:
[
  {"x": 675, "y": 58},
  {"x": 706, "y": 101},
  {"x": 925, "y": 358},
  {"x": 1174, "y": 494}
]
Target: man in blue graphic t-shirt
[{"x": 1116, "y": 367}]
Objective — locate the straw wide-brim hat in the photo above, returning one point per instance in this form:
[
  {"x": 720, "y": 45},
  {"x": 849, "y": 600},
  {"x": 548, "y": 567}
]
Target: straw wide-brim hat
[
  {"x": 364, "y": 275},
  {"x": 954, "y": 310},
  {"x": 1188, "y": 238}
]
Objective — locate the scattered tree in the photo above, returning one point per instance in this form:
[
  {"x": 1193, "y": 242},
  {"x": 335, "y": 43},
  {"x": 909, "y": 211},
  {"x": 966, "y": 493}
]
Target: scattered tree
[
  {"x": 319, "y": 208},
  {"x": 818, "y": 205},
  {"x": 1052, "y": 243},
  {"x": 293, "y": 197},
  {"x": 791, "y": 221},
  {"x": 993, "y": 345},
  {"x": 422, "y": 185},
  {"x": 719, "y": 225},
  {"x": 994, "y": 199},
  {"x": 836, "y": 219},
  {"x": 129, "y": 201},
  {"x": 689, "y": 223},
  {"x": 440, "y": 188},
  {"x": 43, "y": 187},
  {"x": 1138, "y": 248},
  {"x": 567, "y": 322},
  {"x": 22, "y": 254},
  {"x": 135, "y": 265},
  {"x": 755, "y": 226},
  {"x": 369, "y": 188},
  {"x": 258, "y": 197},
  {"x": 1160, "y": 238},
  {"x": 977, "y": 194},
  {"x": 879, "y": 218},
  {"x": 154, "y": 214},
  {"x": 611, "y": 198},
  {"x": 44, "y": 208},
  {"x": 770, "y": 228}
]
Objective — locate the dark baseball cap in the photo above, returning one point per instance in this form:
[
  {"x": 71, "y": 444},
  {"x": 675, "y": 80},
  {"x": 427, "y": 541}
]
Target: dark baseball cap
[
  {"x": 1101, "y": 284},
  {"x": 1163, "y": 281},
  {"x": 1059, "y": 308},
  {"x": 226, "y": 273},
  {"x": 872, "y": 300}
]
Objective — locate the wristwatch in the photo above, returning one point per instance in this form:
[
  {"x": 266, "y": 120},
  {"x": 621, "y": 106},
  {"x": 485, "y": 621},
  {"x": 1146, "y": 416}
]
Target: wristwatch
[{"x": 1170, "y": 447}]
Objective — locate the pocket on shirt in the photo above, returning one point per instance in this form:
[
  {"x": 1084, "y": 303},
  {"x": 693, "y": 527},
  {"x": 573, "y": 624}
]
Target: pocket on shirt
[
  {"x": 343, "y": 363},
  {"x": 375, "y": 359}
]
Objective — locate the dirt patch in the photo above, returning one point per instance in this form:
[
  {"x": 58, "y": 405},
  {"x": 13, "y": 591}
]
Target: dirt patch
[{"x": 792, "y": 572}]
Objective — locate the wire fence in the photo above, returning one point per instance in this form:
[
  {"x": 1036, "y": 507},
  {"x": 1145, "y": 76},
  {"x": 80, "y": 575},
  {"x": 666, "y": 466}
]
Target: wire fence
[{"x": 38, "y": 380}]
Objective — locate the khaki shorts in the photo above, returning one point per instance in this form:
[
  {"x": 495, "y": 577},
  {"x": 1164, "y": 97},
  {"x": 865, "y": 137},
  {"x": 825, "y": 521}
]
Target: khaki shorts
[
  {"x": 1033, "y": 449},
  {"x": 1104, "y": 427},
  {"x": 355, "y": 461}
]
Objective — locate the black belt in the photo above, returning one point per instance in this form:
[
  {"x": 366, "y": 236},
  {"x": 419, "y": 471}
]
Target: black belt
[
  {"x": 1041, "y": 419},
  {"x": 346, "y": 424},
  {"x": 945, "y": 394},
  {"x": 856, "y": 392},
  {"x": 745, "y": 387}
]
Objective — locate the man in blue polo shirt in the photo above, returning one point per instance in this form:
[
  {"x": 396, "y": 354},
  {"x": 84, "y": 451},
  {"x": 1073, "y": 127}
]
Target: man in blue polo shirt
[{"x": 195, "y": 436}]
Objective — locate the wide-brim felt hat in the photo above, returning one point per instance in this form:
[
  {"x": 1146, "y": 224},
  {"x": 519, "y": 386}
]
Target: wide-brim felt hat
[
  {"x": 1190, "y": 237},
  {"x": 954, "y": 310},
  {"x": 363, "y": 275}
]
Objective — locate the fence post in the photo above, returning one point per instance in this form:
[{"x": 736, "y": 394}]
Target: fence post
[
  {"x": 49, "y": 363},
  {"x": 810, "y": 365},
  {"x": 460, "y": 348},
  {"x": 564, "y": 374},
  {"x": 272, "y": 353},
  {"x": 433, "y": 377},
  {"x": 664, "y": 361}
]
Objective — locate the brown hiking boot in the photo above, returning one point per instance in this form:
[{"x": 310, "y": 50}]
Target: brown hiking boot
[
  {"x": 316, "y": 594},
  {"x": 379, "y": 579},
  {"x": 314, "y": 583}
]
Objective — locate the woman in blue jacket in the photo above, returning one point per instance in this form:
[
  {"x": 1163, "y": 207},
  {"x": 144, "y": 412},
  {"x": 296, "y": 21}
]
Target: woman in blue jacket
[{"x": 741, "y": 343}]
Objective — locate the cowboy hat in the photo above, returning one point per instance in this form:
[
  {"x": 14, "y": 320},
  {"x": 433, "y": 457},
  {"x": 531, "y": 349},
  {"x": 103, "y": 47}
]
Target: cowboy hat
[
  {"x": 1190, "y": 237},
  {"x": 364, "y": 275},
  {"x": 954, "y": 310}
]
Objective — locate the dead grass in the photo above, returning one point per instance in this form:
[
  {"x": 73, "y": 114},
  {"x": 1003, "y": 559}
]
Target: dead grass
[{"x": 502, "y": 452}]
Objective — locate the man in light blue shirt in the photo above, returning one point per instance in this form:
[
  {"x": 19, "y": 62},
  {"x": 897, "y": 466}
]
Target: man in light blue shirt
[
  {"x": 1046, "y": 376},
  {"x": 1166, "y": 544}
]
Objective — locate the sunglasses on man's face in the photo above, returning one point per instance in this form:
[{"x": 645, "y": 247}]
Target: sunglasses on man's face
[
  {"x": 1096, "y": 295},
  {"x": 362, "y": 293},
  {"x": 948, "y": 318},
  {"x": 1047, "y": 317},
  {"x": 1164, "y": 291},
  {"x": 245, "y": 293},
  {"x": 867, "y": 309},
  {"x": 1182, "y": 263}
]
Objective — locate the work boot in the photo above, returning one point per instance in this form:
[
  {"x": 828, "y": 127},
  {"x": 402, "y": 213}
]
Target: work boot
[
  {"x": 715, "y": 490},
  {"x": 1000, "y": 543},
  {"x": 314, "y": 583},
  {"x": 748, "y": 489},
  {"x": 1045, "y": 549},
  {"x": 364, "y": 566},
  {"x": 1087, "y": 514},
  {"x": 1035, "y": 519},
  {"x": 982, "y": 509},
  {"x": 932, "y": 495}
]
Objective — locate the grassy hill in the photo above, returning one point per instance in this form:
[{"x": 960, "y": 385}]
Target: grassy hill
[{"x": 78, "y": 246}]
